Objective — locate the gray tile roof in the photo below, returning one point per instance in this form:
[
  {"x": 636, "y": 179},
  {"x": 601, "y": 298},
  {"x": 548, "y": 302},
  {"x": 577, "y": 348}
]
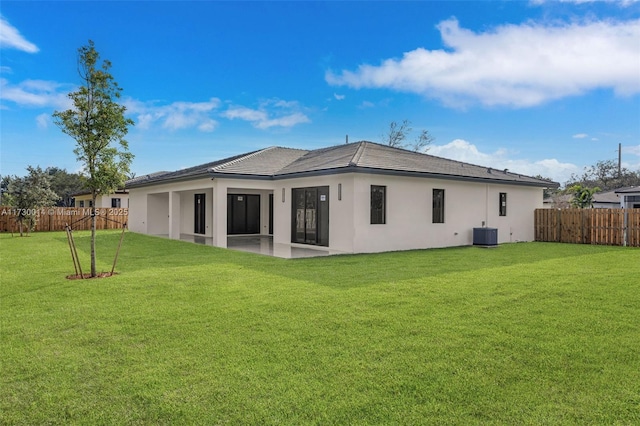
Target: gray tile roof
[
  {"x": 267, "y": 162},
  {"x": 628, "y": 190},
  {"x": 607, "y": 197},
  {"x": 189, "y": 173},
  {"x": 367, "y": 157},
  {"x": 381, "y": 157},
  {"x": 144, "y": 178}
]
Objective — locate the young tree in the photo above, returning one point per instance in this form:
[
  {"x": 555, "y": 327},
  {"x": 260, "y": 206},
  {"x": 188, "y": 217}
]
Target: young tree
[
  {"x": 29, "y": 194},
  {"x": 98, "y": 125},
  {"x": 422, "y": 142},
  {"x": 398, "y": 133}
]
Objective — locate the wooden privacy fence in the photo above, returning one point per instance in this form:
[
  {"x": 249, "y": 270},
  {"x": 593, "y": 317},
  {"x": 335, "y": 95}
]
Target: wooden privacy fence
[
  {"x": 615, "y": 227},
  {"x": 56, "y": 218}
]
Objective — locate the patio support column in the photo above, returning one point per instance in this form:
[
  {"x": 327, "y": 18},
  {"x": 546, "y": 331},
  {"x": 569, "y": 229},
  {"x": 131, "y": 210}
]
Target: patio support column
[
  {"x": 219, "y": 215},
  {"x": 174, "y": 215}
]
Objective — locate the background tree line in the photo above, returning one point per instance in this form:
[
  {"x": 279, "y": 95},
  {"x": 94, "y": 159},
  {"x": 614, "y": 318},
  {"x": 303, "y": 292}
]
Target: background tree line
[
  {"x": 39, "y": 188},
  {"x": 52, "y": 186},
  {"x": 603, "y": 176},
  {"x": 606, "y": 176}
]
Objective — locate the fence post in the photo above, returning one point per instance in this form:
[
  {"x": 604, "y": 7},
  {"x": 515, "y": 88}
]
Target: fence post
[
  {"x": 582, "y": 237},
  {"x": 625, "y": 228}
]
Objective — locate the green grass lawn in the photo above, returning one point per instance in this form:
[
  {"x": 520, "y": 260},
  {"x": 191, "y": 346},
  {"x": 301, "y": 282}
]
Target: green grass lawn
[{"x": 528, "y": 333}]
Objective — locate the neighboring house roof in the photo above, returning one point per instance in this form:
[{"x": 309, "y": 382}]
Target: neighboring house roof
[
  {"x": 607, "y": 197},
  {"x": 365, "y": 157},
  {"x": 126, "y": 185},
  {"x": 628, "y": 190},
  {"x": 81, "y": 193},
  {"x": 564, "y": 199}
]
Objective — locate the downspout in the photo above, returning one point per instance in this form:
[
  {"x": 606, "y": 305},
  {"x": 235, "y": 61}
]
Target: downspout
[{"x": 486, "y": 207}]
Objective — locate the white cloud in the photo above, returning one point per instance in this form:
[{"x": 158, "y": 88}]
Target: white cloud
[
  {"x": 584, "y": 136},
  {"x": 339, "y": 97},
  {"x": 208, "y": 125},
  {"x": 174, "y": 116},
  {"x": 464, "y": 151},
  {"x": 623, "y": 3},
  {"x": 244, "y": 113},
  {"x": 631, "y": 157},
  {"x": 36, "y": 93},
  {"x": 184, "y": 115},
  {"x": 270, "y": 113},
  {"x": 633, "y": 150},
  {"x": 514, "y": 65},
  {"x": 42, "y": 120},
  {"x": 5, "y": 69},
  {"x": 284, "y": 121},
  {"x": 10, "y": 38}
]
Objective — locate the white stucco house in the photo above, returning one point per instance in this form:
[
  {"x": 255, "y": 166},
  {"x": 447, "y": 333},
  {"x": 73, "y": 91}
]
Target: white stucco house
[
  {"x": 629, "y": 197},
  {"x": 352, "y": 198},
  {"x": 119, "y": 199}
]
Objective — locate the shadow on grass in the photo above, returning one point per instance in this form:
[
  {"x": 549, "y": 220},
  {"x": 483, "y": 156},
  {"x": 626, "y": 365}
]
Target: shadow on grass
[{"x": 141, "y": 252}]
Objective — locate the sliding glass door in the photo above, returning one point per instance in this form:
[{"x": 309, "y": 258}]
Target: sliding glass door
[{"x": 310, "y": 215}]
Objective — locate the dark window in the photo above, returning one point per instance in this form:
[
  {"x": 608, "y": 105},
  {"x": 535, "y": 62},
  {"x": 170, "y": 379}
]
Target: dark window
[
  {"x": 438, "y": 206},
  {"x": 90, "y": 203},
  {"x": 270, "y": 214},
  {"x": 116, "y": 203},
  {"x": 199, "y": 208},
  {"x": 378, "y": 202},
  {"x": 81, "y": 203},
  {"x": 503, "y": 204}
]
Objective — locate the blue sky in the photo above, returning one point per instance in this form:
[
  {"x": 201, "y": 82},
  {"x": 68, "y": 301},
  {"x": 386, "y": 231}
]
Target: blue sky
[{"x": 537, "y": 87}]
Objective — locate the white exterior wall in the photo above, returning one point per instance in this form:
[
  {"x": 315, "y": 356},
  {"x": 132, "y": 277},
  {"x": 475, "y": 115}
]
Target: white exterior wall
[
  {"x": 467, "y": 205},
  {"x": 167, "y": 209},
  {"x": 518, "y": 224},
  {"x": 156, "y": 219}
]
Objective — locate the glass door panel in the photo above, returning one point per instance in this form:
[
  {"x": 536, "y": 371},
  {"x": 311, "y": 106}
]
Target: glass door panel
[
  {"x": 299, "y": 204},
  {"x": 311, "y": 196}
]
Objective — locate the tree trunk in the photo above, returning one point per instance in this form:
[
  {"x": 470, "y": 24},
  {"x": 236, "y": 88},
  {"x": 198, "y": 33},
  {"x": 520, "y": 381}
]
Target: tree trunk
[{"x": 93, "y": 235}]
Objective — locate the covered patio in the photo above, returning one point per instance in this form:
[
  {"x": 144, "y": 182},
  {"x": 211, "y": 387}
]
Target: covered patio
[{"x": 263, "y": 244}]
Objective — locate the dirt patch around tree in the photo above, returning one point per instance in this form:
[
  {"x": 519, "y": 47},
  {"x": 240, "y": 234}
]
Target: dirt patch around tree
[{"x": 89, "y": 277}]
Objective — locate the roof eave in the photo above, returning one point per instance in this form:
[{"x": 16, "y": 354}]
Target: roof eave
[
  {"x": 169, "y": 180},
  {"x": 393, "y": 172},
  {"x": 247, "y": 176}
]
